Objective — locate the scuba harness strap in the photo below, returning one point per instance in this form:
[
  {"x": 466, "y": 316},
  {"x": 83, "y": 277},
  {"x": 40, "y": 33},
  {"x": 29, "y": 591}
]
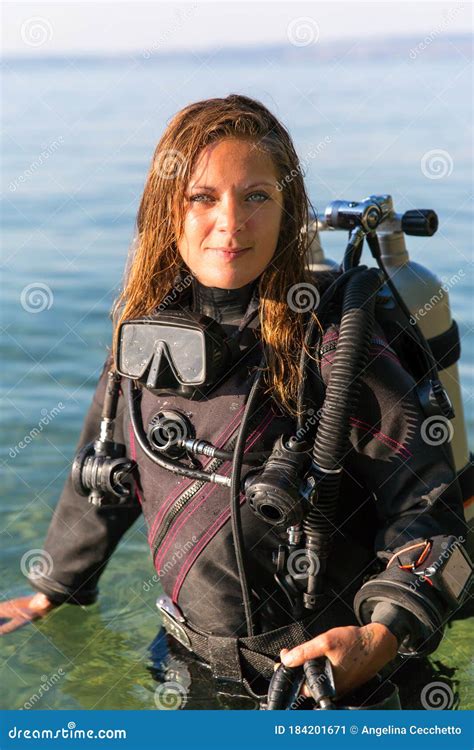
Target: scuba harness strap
[
  {"x": 242, "y": 660},
  {"x": 237, "y": 658}
]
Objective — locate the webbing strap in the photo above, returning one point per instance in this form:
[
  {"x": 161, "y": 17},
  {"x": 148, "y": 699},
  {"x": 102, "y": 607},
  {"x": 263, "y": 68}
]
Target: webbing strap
[
  {"x": 446, "y": 347},
  {"x": 223, "y": 656},
  {"x": 228, "y": 654}
]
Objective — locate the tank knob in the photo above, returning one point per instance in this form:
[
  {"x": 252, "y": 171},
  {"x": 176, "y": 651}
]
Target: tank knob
[{"x": 420, "y": 222}]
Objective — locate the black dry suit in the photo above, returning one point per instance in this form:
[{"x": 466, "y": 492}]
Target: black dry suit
[{"x": 396, "y": 490}]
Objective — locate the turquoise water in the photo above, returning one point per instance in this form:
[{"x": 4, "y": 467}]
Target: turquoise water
[{"x": 90, "y": 128}]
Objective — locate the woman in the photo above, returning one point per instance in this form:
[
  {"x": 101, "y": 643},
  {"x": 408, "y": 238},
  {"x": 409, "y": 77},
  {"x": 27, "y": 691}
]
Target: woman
[{"x": 219, "y": 230}]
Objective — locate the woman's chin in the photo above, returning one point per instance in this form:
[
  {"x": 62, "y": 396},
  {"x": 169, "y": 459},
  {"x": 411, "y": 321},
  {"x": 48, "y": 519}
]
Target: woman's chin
[{"x": 225, "y": 280}]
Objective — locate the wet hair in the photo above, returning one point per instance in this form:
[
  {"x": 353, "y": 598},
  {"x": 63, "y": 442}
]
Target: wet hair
[{"x": 157, "y": 263}]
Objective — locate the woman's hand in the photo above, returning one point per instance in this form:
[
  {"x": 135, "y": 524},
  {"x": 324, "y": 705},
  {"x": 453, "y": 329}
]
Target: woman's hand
[
  {"x": 356, "y": 654},
  {"x": 15, "y": 613}
]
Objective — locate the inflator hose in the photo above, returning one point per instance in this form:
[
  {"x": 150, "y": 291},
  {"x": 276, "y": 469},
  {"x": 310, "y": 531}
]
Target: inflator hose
[{"x": 235, "y": 490}]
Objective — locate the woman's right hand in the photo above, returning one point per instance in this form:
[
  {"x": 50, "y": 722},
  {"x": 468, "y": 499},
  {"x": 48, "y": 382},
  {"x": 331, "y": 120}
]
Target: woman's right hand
[{"x": 14, "y": 613}]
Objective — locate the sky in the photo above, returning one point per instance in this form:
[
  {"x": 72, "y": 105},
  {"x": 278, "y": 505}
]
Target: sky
[{"x": 88, "y": 27}]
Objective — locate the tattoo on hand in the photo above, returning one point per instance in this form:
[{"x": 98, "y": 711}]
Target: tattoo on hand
[{"x": 366, "y": 641}]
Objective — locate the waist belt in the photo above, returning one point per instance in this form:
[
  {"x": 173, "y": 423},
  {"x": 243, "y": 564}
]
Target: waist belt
[{"x": 238, "y": 658}]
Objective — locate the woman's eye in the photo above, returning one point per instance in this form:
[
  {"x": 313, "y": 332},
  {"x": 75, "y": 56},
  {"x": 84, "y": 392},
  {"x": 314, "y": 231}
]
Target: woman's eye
[
  {"x": 205, "y": 198},
  {"x": 261, "y": 197},
  {"x": 200, "y": 198}
]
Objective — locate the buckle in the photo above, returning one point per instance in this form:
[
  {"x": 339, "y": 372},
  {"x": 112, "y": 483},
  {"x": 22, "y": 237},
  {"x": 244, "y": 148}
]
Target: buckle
[{"x": 171, "y": 619}]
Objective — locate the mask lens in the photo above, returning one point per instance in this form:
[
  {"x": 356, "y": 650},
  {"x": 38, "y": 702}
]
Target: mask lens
[{"x": 175, "y": 347}]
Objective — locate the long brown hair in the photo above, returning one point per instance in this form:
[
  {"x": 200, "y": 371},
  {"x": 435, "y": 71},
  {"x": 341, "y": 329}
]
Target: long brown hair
[{"x": 156, "y": 262}]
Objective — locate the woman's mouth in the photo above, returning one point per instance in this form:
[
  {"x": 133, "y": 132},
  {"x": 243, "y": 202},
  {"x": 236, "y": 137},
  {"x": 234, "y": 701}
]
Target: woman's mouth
[{"x": 229, "y": 253}]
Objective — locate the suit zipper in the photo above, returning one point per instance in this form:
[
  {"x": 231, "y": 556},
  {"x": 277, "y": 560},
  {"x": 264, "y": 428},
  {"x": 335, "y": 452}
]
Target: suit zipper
[
  {"x": 182, "y": 501},
  {"x": 178, "y": 507}
]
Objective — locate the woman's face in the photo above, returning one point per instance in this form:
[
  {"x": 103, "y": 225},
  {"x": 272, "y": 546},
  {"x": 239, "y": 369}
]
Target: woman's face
[{"x": 233, "y": 214}]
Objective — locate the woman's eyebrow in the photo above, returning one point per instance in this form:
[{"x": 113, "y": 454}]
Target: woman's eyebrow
[
  {"x": 244, "y": 187},
  {"x": 258, "y": 184}
]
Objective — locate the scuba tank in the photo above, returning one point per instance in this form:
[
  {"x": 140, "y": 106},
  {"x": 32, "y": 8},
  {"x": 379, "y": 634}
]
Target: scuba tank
[
  {"x": 318, "y": 261},
  {"x": 427, "y": 300}
]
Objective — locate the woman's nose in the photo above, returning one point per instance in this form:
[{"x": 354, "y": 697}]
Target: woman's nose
[{"x": 230, "y": 217}]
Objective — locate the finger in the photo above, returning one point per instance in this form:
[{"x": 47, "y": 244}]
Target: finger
[
  {"x": 300, "y": 654},
  {"x": 305, "y": 691},
  {"x": 6, "y": 609},
  {"x": 12, "y": 608},
  {"x": 11, "y": 625}
]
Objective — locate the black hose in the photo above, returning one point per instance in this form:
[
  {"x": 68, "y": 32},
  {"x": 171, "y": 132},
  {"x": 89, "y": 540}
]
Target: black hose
[
  {"x": 171, "y": 465},
  {"x": 351, "y": 358},
  {"x": 235, "y": 517},
  {"x": 354, "y": 249},
  {"x": 112, "y": 392},
  {"x": 332, "y": 441},
  {"x": 257, "y": 457},
  {"x": 311, "y": 344}
]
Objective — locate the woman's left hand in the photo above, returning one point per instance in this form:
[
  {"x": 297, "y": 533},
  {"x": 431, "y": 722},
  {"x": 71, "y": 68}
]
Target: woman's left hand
[{"x": 356, "y": 654}]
